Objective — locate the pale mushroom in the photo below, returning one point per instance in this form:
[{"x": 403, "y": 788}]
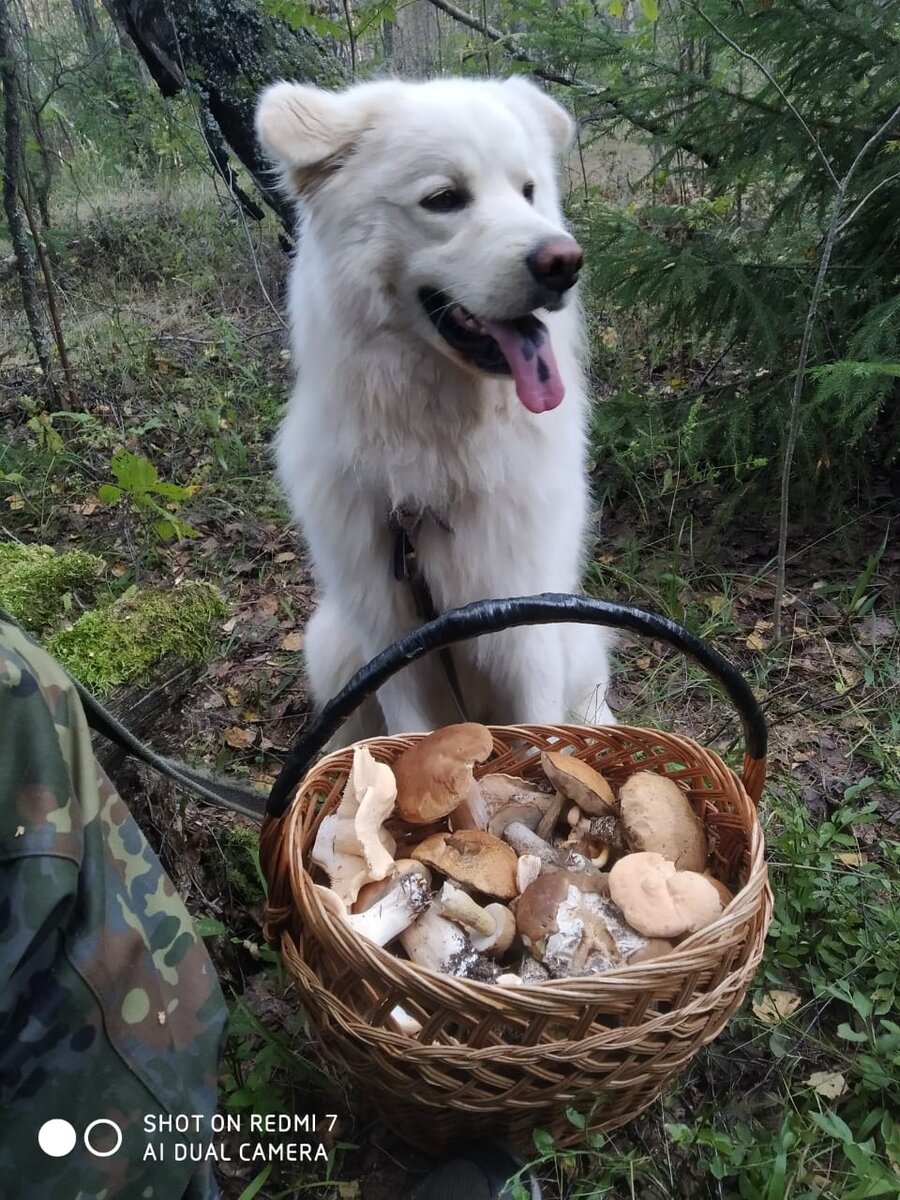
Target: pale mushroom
[
  {"x": 527, "y": 870},
  {"x": 371, "y": 893},
  {"x": 388, "y": 917},
  {"x": 491, "y": 929},
  {"x": 578, "y": 781},
  {"x": 725, "y": 894},
  {"x": 567, "y": 926},
  {"x": 660, "y": 901},
  {"x": 492, "y": 793},
  {"x": 351, "y": 847},
  {"x": 435, "y": 776},
  {"x": 405, "y": 1022},
  {"x": 538, "y": 811},
  {"x": 657, "y": 817},
  {"x": 571, "y": 925},
  {"x": 653, "y": 948},
  {"x": 434, "y": 942},
  {"x": 471, "y": 857}
]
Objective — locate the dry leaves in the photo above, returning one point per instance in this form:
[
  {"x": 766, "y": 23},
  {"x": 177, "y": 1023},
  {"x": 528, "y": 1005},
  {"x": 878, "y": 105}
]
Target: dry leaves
[
  {"x": 776, "y": 1006},
  {"x": 829, "y": 1084},
  {"x": 238, "y": 738},
  {"x": 758, "y": 639},
  {"x": 292, "y": 641}
]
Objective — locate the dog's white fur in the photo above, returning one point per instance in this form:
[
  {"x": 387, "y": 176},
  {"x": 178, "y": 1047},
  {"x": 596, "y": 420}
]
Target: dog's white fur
[{"x": 384, "y": 414}]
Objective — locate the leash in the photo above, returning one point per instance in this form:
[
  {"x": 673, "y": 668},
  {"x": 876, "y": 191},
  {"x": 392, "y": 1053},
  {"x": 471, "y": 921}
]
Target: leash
[
  {"x": 405, "y": 523},
  {"x": 215, "y": 788}
]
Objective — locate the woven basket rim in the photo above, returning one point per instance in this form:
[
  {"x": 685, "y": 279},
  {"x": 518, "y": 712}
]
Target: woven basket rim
[{"x": 583, "y": 989}]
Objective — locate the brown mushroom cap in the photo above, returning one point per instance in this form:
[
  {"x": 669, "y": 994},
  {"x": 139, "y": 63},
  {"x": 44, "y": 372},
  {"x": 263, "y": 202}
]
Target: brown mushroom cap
[
  {"x": 657, "y": 817},
  {"x": 474, "y": 858},
  {"x": 725, "y": 894},
  {"x": 659, "y": 901},
  {"x": 434, "y": 776},
  {"x": 578, "y": 781}
]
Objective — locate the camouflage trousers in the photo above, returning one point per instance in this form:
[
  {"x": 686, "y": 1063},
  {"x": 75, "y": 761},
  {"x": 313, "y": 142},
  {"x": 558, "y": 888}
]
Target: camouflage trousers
[{"x": 111, "y": 1017}]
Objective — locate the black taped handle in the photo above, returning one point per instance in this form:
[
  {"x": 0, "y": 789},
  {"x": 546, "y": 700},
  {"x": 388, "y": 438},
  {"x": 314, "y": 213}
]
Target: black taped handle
[{"x": 492, "y": 616}]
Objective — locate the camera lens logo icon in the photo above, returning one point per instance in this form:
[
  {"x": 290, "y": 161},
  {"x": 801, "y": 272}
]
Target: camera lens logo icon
[{"x": 57, "y": 1138}]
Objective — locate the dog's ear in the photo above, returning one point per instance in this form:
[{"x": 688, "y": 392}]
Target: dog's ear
[
  {"x": 558, "y": 123},
  {"x": 308, "y": 131}
]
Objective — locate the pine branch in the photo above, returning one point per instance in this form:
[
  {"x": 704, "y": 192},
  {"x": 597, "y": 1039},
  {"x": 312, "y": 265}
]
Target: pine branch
[
  {"x": 817, "y": 145},
  {"x": 604, "y": 95}
]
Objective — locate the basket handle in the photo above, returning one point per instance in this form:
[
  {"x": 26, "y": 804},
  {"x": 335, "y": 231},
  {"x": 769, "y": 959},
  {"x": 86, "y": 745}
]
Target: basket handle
[{"x": 492, "y": 616}]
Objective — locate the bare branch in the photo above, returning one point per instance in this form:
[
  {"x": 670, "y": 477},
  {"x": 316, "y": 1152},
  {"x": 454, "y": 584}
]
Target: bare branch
[{"x": 834, "y": 227}]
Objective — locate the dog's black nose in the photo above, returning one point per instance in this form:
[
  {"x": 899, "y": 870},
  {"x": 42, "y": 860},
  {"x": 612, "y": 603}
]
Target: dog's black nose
[{"x": 555, "y": 263}]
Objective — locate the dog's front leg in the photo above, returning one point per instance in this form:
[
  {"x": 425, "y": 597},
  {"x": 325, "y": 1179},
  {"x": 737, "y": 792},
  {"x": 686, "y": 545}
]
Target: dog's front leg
[{"x": 528, "y": 670}]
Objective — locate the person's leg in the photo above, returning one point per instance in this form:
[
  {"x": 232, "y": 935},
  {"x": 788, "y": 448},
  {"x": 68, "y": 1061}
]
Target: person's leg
[{"x": 110, "y": 1010}]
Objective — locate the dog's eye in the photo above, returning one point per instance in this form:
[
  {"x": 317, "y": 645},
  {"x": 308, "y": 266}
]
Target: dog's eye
[
  {"x": 528, "y": 192},
  {"x": 446, "y": 201}
]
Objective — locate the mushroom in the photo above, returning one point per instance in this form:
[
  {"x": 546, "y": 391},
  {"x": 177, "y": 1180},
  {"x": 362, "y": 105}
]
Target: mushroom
[
  {"x": 434, "y": 942},
  {"x": 350, "y": 846},
  {"x": 525, "y": 842},
  {"x": 472, "y": 857},
  {"x": 371, "y": 893},
  {"x": 488, "y": 796},
  {"x": 725, "y": 894},
  {"x": 539, "y": 811},
  {"x": 405, "y": 1022},
  {"x": 570, "y": 925},
  {"x": 652, "y": 948},
  {"x": 578, "y": 781},
  {"x": 435, "y": 776},
  {"x": 527, "y": 870},
  {"x": 491, "y": 929},
  {"x": 386, "y": 919},
  {"x": 657, "y": 817},
  {"x": 660, "y": 901}
]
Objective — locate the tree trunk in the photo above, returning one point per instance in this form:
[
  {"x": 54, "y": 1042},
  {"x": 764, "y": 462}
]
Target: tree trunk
[
  {"x": 12, "y": 162},
  {"x": 225, "y": 52}
]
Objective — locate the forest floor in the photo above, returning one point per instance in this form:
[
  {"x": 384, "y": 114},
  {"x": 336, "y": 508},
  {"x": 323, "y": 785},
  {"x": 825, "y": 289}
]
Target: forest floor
[{"x": 172, "y": 314}]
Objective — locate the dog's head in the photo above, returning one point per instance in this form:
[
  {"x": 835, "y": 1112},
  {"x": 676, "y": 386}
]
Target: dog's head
[{"x": 441, "y": 197}]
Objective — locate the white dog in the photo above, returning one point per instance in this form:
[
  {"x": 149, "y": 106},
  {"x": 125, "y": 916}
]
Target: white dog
[{"x": 437, "y": 346}]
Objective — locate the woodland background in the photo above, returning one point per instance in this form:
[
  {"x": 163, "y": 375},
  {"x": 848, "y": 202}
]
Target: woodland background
[{"x": 736, "y": 185}]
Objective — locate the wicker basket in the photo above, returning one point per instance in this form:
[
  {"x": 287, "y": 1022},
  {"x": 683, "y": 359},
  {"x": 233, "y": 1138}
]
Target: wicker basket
[{"x": 508, "y": 1061}]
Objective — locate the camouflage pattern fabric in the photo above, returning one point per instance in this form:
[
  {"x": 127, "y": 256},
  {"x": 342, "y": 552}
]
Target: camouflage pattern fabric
[{"x": 110, "y": 1009}]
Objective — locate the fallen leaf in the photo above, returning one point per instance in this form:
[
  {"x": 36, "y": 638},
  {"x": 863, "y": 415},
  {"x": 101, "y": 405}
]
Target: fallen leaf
[
  {"x": 852, "y": 859},
  {"x": 285, "y": 556},
  {"x": 757, "y": 639},
  {"x": 267, "y": 606},
  {"x": 715, "y": 602},
  {"x": 233, "y": 696},
  {"x": 240, "y": 739},
  {"x": 643, "y": 663},
  {"x": 229, "y": 625},
  {"x": 829, "y": 1084},
  {"x": 776, "y": 1006},
  {"x": 293, "y": 641},
  {"x": 15, "y": 502}
]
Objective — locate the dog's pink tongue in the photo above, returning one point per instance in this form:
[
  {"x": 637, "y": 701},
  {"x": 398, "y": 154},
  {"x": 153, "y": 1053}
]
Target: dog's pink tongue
[{"x": 526, "y": 347}]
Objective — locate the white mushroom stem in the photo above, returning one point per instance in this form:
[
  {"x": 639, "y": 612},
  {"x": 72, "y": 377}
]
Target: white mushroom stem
[
  {"x": 395, "y": 912},
  {"x": 432, "y": 941},
  {"x": 524, "y": 841},
  {"x": 457, "y": 905},
  {"x": 405, "y": 1022},
  {"x": 491, "y": 929}
]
